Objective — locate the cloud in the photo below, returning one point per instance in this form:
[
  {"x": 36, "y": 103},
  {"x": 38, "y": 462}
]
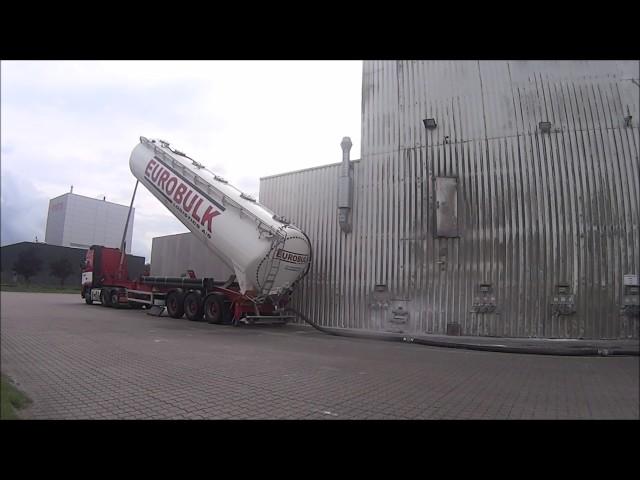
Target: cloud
[{"x": 24, "y": 210}]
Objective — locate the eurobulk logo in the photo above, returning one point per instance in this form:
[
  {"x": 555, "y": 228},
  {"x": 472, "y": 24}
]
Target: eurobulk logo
[
  {"x": 181, "y": 194},
  {"x": 291, "y": 257}
]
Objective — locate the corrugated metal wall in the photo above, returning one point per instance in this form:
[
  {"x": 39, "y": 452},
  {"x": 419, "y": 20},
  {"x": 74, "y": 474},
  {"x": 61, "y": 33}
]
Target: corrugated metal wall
[
  {"x": 173, "y": 255},
  {"x": 535, "y": 210}
]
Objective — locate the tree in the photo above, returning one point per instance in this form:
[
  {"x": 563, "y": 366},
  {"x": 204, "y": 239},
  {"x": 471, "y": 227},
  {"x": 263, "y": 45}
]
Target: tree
[
  {"x": 28, "y": 264},
  {"x": 61, "y": 269}
]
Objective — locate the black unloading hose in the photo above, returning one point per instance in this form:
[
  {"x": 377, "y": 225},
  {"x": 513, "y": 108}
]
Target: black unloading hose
[{"x": 586, "y": 351}]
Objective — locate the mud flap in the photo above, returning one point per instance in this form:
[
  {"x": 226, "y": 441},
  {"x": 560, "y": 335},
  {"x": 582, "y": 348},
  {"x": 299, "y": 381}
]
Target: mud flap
[{"x": 156, "y": 310}]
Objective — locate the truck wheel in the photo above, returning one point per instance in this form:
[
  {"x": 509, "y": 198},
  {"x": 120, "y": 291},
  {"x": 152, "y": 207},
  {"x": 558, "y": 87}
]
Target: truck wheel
[
  {"x": 87, "y": 296},
  {"x": 175, "y": 305},
  {"x": 193, "y": 306},
  {"x": 113, "y": 298},
  {"x": 105, "y": 297},
  {"x": 214, "y": 308}
]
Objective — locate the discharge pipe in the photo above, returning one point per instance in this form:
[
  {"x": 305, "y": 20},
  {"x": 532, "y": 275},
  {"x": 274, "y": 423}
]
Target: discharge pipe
[{"x": 586, "y": 351}]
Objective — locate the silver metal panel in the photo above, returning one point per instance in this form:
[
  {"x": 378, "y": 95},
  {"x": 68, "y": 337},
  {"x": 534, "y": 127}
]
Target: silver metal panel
[
  {"x": 535, "y": 210},
  {"x": 174, "y": 255},
  {"x": 446, "y": 206}
]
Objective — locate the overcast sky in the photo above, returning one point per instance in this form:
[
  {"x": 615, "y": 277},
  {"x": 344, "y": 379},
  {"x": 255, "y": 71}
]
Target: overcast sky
[{"x": 75, "y": 123}]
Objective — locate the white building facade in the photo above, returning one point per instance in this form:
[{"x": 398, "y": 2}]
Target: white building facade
[{"x": 77, "y": 221}]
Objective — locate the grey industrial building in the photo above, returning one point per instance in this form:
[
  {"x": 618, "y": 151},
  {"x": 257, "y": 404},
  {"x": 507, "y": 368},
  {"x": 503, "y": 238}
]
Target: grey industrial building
[
  {"x": 78, "y": 221},
  {"x": 491, "y": 198}
]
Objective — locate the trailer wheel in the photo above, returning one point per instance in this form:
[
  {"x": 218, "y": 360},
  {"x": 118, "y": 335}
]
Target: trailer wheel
[
  {"x": 193, "y": 306},
  {"x": 105, "y": 297},
  {"x": 214, "y": 308},
  {"x": 175, "y": 304}
]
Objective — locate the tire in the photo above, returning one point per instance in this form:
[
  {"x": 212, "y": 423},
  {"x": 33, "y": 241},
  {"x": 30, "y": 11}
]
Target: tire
[
  {"x": 214, "y": 308},
  {"x": 105, "y": 297},
  {"x": 87, "y": 296},
  {"x": 193, "y": 308},
  {"x": 175, "y": 304},
  {"x": 113, "y": 298}
]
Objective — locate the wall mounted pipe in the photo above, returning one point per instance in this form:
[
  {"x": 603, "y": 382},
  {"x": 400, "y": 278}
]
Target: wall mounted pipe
[{"x": 345, "y": 188}]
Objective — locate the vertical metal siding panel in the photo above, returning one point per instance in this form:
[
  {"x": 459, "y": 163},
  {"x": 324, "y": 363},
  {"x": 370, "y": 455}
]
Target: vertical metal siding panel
[
  {"x": 553, "y": 238},
  {"x": 504, "y": 244},
  {"x": 591, "y": 207},
  {"x": 329, "y": 255},
  {"x": 597, "y": 208},
  {"x": 540, "y": 239},
  {"x": 356, "y": 274},
  {"x": 310, "y": 301},
  {"x": 376, "y": 212},
  {"x": 622, "y": 218},
  {"x": 531, "y": 245},
  {"x": 317, "y": 267},
  {"x": 333, "y": 252},
  {"x": 455, "y": 296},
  {"x": 466, "y": 240},
  {"x": 326, "y": 309},
  {"x": 367, "y": 214},
  {"x": 365, "y": 248},
  {"x": 426, "y": 286},
  {"x": 513, "y": 290},
  {"x": 584, "y": 213},
  {"x": 626, "y": 143},
  {"x": 301, "y": 220},
  {"x": 341, "y": 258},
  {"x": 412, "y": 239},
  {"x": 472, "y": 232},
  {"x": 469, "y": 225},
  {"x": 376, "y": 222},
  {"x": 612, "y": 321},
  {"x": 313, "y": 280},
  {"x": 572, "y": 157},
  {"x": 604, "y": 213},
  {"x": 523, "y": 186},
  {"x": 565, "y": 188}
]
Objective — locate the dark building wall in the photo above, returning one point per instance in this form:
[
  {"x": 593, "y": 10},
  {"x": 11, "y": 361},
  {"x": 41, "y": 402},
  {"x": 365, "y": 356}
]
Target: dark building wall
[{"x": 51, "y": 253}]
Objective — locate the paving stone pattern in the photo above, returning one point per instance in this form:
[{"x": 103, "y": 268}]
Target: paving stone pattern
[{"x": 89, "y": 362}]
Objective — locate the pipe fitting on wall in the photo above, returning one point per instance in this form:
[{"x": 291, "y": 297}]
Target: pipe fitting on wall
[{"x": 345, "y": 188}]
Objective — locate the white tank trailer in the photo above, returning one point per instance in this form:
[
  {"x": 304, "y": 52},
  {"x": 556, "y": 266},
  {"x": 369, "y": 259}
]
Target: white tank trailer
[{"x": 266, "y": 252}]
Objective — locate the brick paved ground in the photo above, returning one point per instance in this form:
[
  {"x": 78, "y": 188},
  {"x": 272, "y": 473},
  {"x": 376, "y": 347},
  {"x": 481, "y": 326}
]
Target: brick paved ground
[{"x": 81, "y": 361}]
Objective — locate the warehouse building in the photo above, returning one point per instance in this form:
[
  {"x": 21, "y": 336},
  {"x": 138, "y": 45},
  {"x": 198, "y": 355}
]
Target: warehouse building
[
  {"x": 77, "y": 221},
  {"x": 492, "y": 198}
]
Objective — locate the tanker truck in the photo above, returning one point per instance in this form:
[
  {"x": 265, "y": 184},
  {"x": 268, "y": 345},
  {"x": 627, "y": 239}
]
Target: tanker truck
[{"x": 268, "y": 255}]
